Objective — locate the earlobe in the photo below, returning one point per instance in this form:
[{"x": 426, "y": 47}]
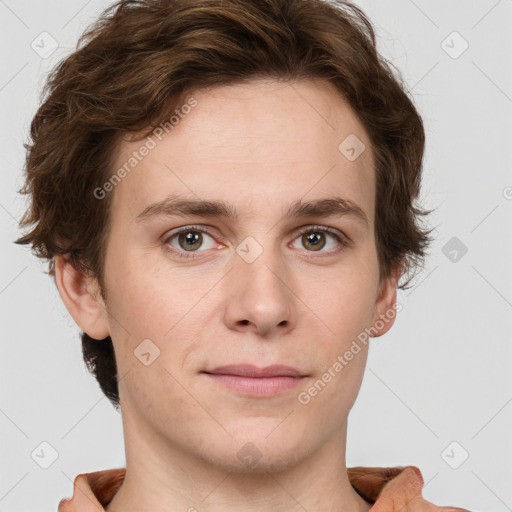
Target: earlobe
[
  {"x": 82, "y": 299},
  {"x": 385, "y": 306}
]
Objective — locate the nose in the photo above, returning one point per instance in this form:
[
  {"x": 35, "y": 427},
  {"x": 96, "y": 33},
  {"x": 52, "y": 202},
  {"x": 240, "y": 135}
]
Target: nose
[{"x": 260, "y": 296}]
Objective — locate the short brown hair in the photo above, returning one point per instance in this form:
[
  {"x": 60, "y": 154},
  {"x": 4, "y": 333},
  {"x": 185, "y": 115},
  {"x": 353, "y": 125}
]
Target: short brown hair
[{"x": 137, "y": 63}]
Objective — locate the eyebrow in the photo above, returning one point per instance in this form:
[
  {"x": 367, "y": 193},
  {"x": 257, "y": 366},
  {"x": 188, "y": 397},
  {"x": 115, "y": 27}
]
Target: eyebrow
[{"x": 328, "y": 207}]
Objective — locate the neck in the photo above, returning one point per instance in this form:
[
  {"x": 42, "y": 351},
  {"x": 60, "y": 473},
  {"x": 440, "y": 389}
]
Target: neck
[{"x": 162, "y": 477}]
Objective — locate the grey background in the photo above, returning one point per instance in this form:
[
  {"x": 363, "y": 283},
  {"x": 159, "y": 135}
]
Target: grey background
[{"x": 441, "y": 375}]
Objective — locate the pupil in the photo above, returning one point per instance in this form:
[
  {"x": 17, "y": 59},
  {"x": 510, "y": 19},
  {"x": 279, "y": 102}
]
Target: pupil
[
  {"x": 191, "y": 239},
  {"x": 314, "y": 239}
]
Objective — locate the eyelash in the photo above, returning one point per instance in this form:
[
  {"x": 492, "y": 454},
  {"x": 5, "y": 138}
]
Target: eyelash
[{"x": 343, "y": 240}]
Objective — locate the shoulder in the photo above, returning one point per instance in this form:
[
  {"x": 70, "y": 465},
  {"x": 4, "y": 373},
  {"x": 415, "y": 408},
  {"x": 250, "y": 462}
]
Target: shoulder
[
  {"x": 93, "y": 491},
  {"x": 392, "y": 489}
]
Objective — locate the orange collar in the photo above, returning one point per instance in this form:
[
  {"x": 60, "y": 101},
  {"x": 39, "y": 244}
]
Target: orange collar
[{"x": 388, "y": 489}]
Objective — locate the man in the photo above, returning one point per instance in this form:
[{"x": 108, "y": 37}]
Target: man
[{"x": 225, "y": 191}]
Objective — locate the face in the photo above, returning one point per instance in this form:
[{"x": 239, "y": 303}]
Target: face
[{"x": 253, "y": 286}]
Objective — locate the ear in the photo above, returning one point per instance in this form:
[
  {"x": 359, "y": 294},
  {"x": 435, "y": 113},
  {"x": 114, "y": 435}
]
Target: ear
[
  {"x": 82, "y": 298},
  {"x": 384, "y": 312}
]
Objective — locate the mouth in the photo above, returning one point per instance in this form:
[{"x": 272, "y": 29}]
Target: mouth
[
  {"x": 250, "y": 380},
  {"x": 249, "y": 370}
]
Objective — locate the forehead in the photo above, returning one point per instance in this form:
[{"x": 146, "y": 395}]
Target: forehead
[{"x": 260, "y": 143}]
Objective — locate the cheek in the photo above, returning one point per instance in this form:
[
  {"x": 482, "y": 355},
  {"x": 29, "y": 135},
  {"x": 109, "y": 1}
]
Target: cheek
[
  {"x": 154, "y": 394},
  {"x": 146, "y": 302},
  {"x": 333, "y": 393},
  {"x": 346, "y": 309},
  {"x": 347, "y": 344},
  {"x": 344, "y": 301}
]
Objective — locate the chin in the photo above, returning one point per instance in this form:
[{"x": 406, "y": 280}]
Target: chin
[
  {"x": 261, "y": 464},
  {"x": 254, "y": 454}
]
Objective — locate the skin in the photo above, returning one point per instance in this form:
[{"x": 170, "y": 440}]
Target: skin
[{"x": 259, "y": 146}]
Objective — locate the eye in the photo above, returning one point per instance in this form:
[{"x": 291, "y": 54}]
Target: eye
[
  {"x": 188, "y": 240},
  {"x": 314, "y": 239}
]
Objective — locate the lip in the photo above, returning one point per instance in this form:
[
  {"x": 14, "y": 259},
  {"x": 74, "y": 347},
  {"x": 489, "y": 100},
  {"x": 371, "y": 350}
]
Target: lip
[
  {"x": 250, "y": 370},
  {"x": 252, "y": 381}
]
